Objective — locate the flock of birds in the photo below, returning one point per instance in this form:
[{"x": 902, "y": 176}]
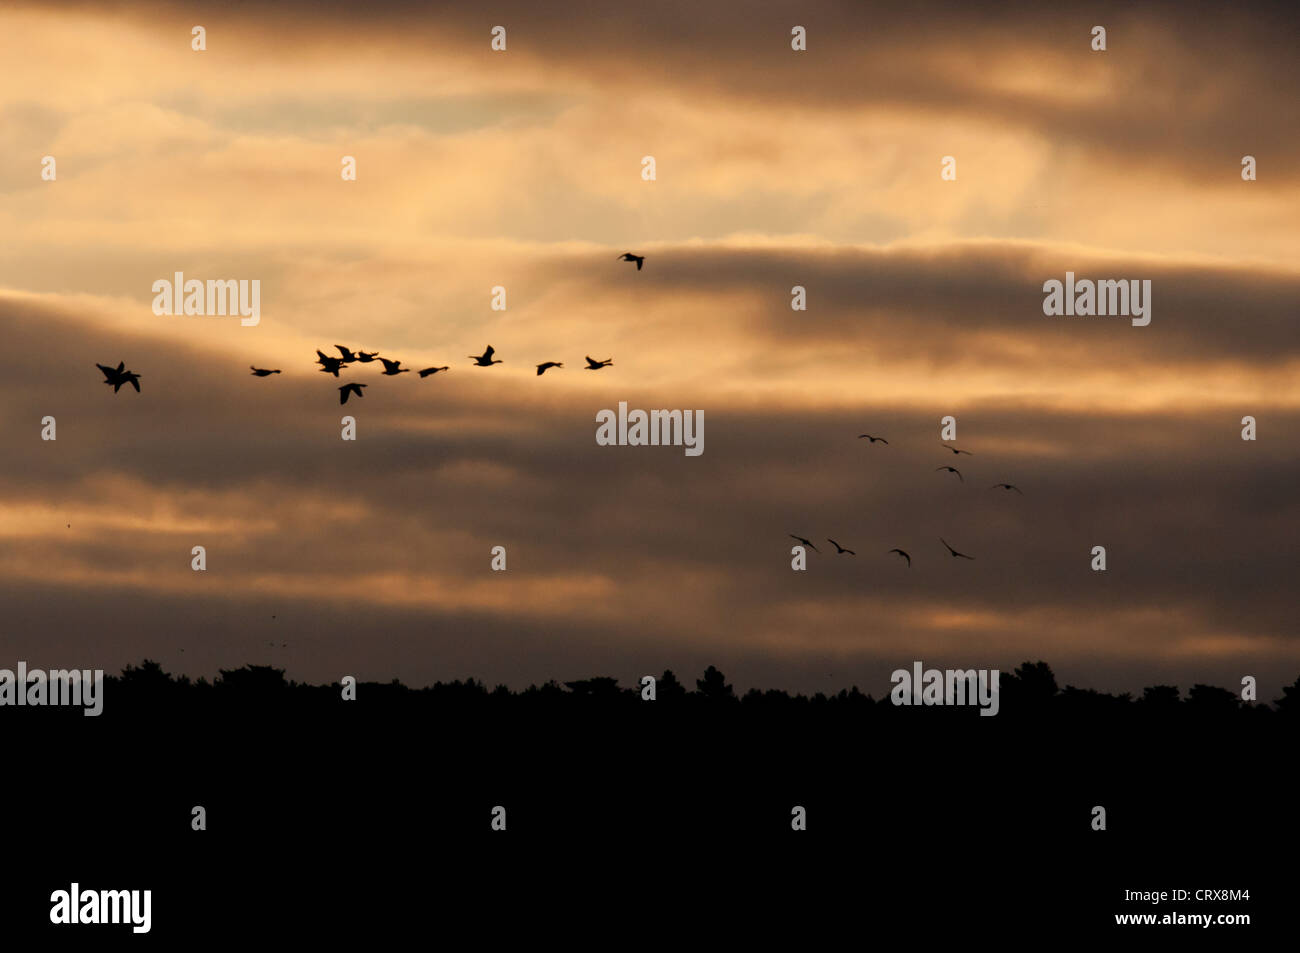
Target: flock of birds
[
  {"x": 844, "y": 551},
  {"x": 117, "y": 376},
  {"x": 332, "y": 365}
]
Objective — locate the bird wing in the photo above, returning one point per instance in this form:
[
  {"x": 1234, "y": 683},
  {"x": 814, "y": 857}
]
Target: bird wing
[
  {"x": 108, "y": 372},
  {"x": 639, "y": 263},
  {"x": 489, "y": 352},
  {"x": 135, "y": 382}
]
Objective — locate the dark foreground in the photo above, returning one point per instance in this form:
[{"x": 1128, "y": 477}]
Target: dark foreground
[{"x": 658, "y": 821}]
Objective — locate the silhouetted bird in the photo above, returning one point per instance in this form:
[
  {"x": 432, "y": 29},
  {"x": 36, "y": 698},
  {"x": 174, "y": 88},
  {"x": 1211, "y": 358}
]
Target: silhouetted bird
[
  {"x": 806, "y": 542},
  {"x": 904, "y": 555},
  {"x": 950, "y": 470},
  {"x": 955, "y": 450},
  {"x": 1006, "y": 486},
  {"x": 628, "y": 256},
  {"x": 348, "y": 356},
  {"x": 117, "y": 376},
  {"x": 350, "y": 388},
  {"x": 543, "y": 368},
  {"x": 838, "y": 548},
  {"x": 954, "y": 552},
  {"x": 263, "y": 372},
  {"x": 873, "y": 439},
  {"x": 365, "y": 358},
  {"x": 485, "y": 359},
  {"x": 393, "y": 367},
  {"x": 597, "y": 365},
  {"x": 433, "y": 370},
  {"x": 329, "y": 365}
]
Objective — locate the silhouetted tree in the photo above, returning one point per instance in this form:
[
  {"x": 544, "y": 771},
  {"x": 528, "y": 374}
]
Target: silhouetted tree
[
  {"x": 600, "y": 687},
  {"x": 253, "y": 681},
  {"x": 1037, "y": 680},
  {"x": 148, "y": 676},
  {"x": 1211, "y": 698},
  {"x": 1160, "y": 696},
  {"x": 667, "y": 686},
  {"x": 1289, "y": 703},
  {"x": 714, "y": 687}
]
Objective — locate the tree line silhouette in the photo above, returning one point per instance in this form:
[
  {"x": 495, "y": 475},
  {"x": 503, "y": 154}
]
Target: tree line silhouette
[{"x": 1031, "y": 691}]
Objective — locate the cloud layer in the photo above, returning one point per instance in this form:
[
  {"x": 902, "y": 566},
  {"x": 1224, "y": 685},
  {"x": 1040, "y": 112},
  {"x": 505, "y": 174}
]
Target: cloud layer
[{"x": 776, "y": 169}]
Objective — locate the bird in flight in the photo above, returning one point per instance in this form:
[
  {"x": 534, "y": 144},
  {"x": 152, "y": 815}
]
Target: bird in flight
[
  {"x": 263, "y": 372},
  {"x": 838, "y": 548},
  {"x": 950, "y": 470},
  {"x": 392, "y": 368},
  {"x": 543, "y": 368},
  {"x": 352, "y": 387},
  {"x": 117, "y": 376},
  {"x": 628, "y": 256},
  {"x": 597, "y": 365},
  {"x": 954, "y": 552},
  {"x": 873, "y": 439},
  {"x": 329, "y": 365},
  {"x": 806, "y": 542},
  {"x": 904, "y": 555},
  {"x": 433, "y": 370},
  {"x": 365, "y": 358},
  {"x": 485, "y": 359},
  {"x": 955, "y": 450},
  {"x": 1006, "y": 486},
  {"x": 348, "y": 356}
]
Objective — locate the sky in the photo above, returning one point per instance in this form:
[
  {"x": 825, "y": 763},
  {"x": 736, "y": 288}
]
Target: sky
[{"x": 774, "y": 168}]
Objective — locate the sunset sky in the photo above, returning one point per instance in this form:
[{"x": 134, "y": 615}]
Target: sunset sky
[{"x": 774, "y": 168}]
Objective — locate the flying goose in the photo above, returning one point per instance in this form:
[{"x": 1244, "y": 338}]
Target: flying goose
[
  {"x": 485, "y": 359},
  {"x": 352, "y": 387}
]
